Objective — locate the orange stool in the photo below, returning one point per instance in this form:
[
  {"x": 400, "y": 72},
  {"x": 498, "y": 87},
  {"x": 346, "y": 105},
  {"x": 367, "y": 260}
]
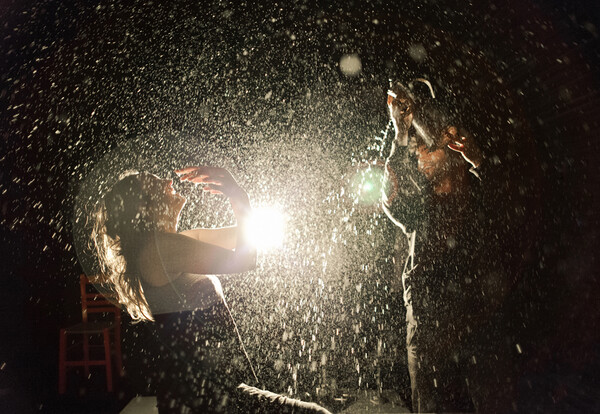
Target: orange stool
[{"x": 92, "y": 302}]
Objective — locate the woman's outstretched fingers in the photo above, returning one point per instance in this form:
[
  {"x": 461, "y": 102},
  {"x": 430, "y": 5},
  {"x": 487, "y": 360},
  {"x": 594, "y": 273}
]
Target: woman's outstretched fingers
[
  {"x": 199, "y": 169},
  {"x": 197, "y": 174},
  {"x": 185, "y": 170},
  {"x": 215, "y": 180}
]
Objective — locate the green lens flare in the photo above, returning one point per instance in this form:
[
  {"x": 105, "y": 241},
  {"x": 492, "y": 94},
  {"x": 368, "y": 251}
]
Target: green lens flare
[{"x": 366, "y": 185}]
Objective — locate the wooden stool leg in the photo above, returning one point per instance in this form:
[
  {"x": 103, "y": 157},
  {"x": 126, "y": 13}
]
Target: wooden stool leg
[
  {"x": 86, "y": 355},
  {"x": 62, "y": 358},
  {"x": 109, "y": 384},
  {"x": 118, "y": 356}
]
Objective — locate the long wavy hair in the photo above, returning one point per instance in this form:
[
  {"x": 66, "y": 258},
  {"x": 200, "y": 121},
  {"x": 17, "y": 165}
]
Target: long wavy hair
[{"x": 123, "y": 222}]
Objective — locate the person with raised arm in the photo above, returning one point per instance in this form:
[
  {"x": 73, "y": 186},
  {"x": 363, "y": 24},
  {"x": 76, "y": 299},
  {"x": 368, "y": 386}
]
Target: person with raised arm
[
  {"x": 166, "y": 276},
  {"x": 434, "y": 192}
]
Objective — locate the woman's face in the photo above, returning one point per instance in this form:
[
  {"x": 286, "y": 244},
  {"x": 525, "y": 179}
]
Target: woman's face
[{"x": 166, "y": 203}]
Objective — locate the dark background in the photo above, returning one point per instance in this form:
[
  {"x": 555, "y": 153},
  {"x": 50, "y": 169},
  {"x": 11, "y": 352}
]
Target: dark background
[{"x": 258, "y": 88}]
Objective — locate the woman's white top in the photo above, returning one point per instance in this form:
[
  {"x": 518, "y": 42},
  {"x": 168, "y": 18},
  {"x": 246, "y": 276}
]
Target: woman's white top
[{"x": 186, "y": 292}]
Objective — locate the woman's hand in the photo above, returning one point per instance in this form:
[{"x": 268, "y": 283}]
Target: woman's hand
[
  {"x": 468, "y": 149},
  {"x": 214, "y": 180}
]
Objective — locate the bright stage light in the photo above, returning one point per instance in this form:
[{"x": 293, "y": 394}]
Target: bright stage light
[{"x": 266, "y": 227}]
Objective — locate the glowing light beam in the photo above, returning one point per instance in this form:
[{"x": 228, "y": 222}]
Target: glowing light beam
[{"x": 266, "y": 227}]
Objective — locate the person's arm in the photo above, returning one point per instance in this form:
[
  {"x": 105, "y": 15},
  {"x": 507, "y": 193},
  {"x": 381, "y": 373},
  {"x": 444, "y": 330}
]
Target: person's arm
[
  {"x": 469, "y": 150},
  {"x": 225, "y": 237},
  {"x": 403, "y": 195},
  {"x": 403, "y": 198},
  {"x": 182, "y": 254},
  {"x": 489, "y": 258},
  {"x": 229, "y": 244}
]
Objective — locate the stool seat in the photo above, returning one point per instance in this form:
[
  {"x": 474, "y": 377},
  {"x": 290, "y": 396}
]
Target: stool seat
[{"x": 89, "y": 327}]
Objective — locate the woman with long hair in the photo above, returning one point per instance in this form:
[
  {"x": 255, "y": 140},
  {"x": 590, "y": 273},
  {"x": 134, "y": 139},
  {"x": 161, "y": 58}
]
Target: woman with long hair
[{"x": 162, "y": 275}]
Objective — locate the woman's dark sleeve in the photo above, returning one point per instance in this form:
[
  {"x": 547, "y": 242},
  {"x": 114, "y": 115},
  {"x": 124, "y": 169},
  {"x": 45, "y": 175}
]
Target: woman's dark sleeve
[{"x": 404, "y": 190}]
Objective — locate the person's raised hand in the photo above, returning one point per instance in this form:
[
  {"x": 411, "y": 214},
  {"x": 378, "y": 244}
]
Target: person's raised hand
[
  {"x": 401, "y": 113},
  {"x": 467, "y": 148},
  {"x": 215, "y": 180}
]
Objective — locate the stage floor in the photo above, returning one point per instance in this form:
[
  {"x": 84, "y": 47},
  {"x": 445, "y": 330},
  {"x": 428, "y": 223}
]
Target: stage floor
[{"x": 366, "y": 402}]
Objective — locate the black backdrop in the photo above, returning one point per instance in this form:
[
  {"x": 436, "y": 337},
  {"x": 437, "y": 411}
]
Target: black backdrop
[{"x": 83, "y": 80}]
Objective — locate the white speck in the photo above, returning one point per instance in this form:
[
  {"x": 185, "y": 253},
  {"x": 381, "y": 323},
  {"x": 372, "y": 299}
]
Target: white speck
[
  {"x": 451, "y": 242},
  {"x": 417, "y": 52},
  {"x": 350, "y": 65},
  {"x": 591, "y": 28}
]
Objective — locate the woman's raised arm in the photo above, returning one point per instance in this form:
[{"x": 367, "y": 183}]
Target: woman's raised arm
[
  {"x": 219, "y": 181},
  {"x": 181, "y": 254}
]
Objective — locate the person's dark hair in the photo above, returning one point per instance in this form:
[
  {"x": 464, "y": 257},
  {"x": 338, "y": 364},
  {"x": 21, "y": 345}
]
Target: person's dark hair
[
  {"x": 122, "y": 224},
  {"x": 433, "y": 108}
]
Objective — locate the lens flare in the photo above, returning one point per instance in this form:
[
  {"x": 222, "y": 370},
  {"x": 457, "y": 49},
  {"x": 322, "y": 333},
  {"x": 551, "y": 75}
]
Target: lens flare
[
  {"x": 366, "y": 185},
  {"x": 267, "y": 227}
]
